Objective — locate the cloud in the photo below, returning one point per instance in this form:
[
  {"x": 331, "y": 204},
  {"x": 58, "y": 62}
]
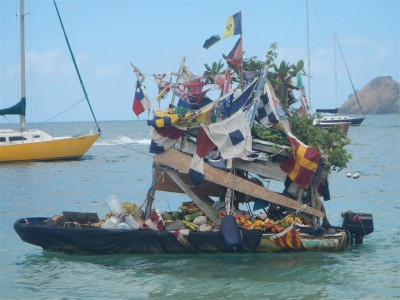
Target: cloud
[
  {"x": 381, "y": 49},
  {"x": 54, "y": 62},
  {"x": 108, "y": 70},
  {"x": 384, "y": 52}
]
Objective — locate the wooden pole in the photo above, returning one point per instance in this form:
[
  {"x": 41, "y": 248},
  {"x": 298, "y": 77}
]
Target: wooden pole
[{"x": 199, "y": 202}]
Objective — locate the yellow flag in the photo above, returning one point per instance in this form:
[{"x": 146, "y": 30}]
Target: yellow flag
[
  {"x": 233, "y": 25},
  {"x": 229, "y": 28}
]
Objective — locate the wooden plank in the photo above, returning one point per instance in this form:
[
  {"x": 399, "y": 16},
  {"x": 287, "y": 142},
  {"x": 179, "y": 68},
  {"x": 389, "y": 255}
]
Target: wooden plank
[
  {"x": 166, "y": 184},
  {"x": 149, "y": 203},
  {"x": 199, "y": 202},
  {"x": 272, "y": 148},
  {"x": 181, "y": 162},
  {"x": 270, "y": 170}
]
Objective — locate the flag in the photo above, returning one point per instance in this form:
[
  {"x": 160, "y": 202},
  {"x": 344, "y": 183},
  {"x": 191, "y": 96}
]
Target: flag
[
  {"x": 196, "y": 171},
  {"x": 164, "y": 138},
  {"x": 195, "y": 118},
  {"x": 140, "y": 102},
  {"x": 223, "y": 81},
  {"x": 236, "y": 55},
  {"x": 224, "y": 105},
  {"x": 162, "y": 119},
  {"x": 137, "y": 72},
  {"x": 232, "y": 136},
  {"x": 244, "y": 98},
  {"x": 323, "y": 190},
  {"x": 211, "y": 41},
  {"x": 220, "y": 80},
  {"x": 194, "y": 86},
  {"x": 191, "y": 101},
  {"x": 288, "y": 239},
  {"x": 203, "y": 146},
  {"x": 227, "y": 82},
  {"x": 269, "y": 110},
  {"x": 304, "y": 102},
  {"x": 233, "y": 25},
  {"x": 303, "y": 164},
  {"x": 155, "y": 222},
  {"x": 163, "y": 92}
]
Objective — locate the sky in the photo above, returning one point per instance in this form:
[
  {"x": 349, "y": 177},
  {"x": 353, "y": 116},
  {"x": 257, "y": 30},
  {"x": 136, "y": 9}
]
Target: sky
[{"x": 107, "y": 36}]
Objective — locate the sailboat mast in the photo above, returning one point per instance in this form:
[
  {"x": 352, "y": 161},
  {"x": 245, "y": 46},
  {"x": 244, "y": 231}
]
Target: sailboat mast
[
  {"x": 22, "y": 46},
  {"x": 334, "y": 57},
  {"x": 309, "y": 61},
  {"x": 76, "y": 67}
]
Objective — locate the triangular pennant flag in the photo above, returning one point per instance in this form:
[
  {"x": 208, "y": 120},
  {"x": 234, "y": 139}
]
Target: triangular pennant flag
[{"x": 236, "y": 55}]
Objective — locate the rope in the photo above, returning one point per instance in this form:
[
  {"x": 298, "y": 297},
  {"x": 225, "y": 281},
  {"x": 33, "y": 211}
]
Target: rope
[
  {"x": 77, "y": 225},
  {"x": 302, "y": 208},
  {"x": 282, "y": 233},
  {"x": 125, "y": 146},
  {"x": 52, "y": 118}
]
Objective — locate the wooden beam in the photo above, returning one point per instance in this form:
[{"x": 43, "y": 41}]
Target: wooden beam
[
  {"x": 149, "y": 203},
  {"x": 181, "y": 162},
  {"x": 267, "y": 169},
  {"x": 166, "y": 184},
  {"x": 199, "y": 202}
]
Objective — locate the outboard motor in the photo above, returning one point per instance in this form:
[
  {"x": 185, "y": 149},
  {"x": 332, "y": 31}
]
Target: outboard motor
[{"x": 358, "y": 224}]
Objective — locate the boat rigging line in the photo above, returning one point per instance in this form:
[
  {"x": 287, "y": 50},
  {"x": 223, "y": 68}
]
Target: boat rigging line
[
  {"x": 348, "y": 73},
  {"x": 125, "y": 146},
  {"x": 59, "y": 114},
  {"x": 76, "y": 67}
]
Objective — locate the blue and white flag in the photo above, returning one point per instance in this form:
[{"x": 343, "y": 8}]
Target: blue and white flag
[
  {"x": 196, "y": 171},
  {"x": 232, "y": 136},
  {"x": 269, "y": 110}
]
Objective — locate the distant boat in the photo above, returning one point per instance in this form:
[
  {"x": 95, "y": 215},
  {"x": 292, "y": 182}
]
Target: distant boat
[
  {"x": 36, "y": 145},
  {"x": 332, "y": 116},
  {"x": 344, "y": 125}
]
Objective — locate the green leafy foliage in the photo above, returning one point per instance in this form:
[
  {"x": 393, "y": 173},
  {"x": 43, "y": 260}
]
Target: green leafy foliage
[
  {"x": 330, "y": 141},
  {"x": 210, "y": 72},
  {"x": 268, "y": 134}
]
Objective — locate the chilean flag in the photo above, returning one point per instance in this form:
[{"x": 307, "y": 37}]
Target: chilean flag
[{"x": 140, "y": 102}]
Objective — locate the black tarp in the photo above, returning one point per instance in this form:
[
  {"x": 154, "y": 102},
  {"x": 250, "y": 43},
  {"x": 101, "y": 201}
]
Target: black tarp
[
  {"x": 17, "y": 109},
  {"x": 96, "y": 241}
]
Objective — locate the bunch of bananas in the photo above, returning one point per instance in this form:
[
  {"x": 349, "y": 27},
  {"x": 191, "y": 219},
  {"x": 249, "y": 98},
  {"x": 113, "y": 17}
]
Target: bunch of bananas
[
  {"x": 188, "y": 207},
  {"x": 291, "y": 219},
  {"x": 190, "y": 225}
]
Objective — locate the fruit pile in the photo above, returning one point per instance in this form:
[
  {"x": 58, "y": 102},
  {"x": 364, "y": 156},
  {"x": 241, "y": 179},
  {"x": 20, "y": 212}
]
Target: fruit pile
[
  {"x": 267, "y": 225},
  {"x": 192, "y": 218}
]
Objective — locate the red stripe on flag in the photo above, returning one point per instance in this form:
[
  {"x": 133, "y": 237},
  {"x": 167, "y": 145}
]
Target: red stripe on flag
[{"x": 303, "y": 164}]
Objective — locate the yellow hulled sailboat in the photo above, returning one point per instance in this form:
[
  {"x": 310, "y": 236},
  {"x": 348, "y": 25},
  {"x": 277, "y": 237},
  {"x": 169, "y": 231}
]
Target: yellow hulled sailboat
[{"x": 36, "y": 145}]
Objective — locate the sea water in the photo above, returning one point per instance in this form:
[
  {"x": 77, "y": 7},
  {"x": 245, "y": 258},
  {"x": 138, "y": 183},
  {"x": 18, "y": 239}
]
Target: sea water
[{"x": 119, "y": 165}]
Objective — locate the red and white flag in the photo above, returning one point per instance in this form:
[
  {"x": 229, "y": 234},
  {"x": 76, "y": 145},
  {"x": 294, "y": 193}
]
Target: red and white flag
[{"x": 140, "y": 101}]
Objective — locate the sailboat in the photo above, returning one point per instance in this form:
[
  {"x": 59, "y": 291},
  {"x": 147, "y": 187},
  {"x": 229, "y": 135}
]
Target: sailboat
[
  {"x": 35, "y": 145},
  {"x": 331, "y": 117}
]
